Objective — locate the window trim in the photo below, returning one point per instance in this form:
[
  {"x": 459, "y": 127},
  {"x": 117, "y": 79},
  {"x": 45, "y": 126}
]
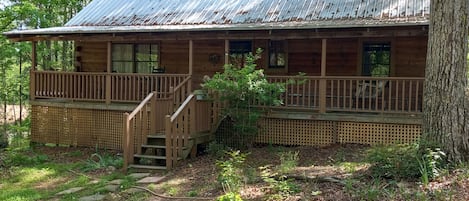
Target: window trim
[
  {"x": 134, "y": 59},
  {"x": 274, "y": 50},
  {"x": 362, "y": 54}
]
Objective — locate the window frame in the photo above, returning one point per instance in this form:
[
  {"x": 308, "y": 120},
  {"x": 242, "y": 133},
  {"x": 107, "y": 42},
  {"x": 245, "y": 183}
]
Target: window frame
[
  {"x": 135, "y": 60},
  {"x": 280, "y": 48},
  {"x": 366, "y": 65}
]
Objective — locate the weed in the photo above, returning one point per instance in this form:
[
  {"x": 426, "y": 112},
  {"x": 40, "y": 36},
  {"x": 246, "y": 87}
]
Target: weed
[
  {"x": 97, "y": 161},
  {"x": 288, "y": 161},
  {"x": 217, "y": 150},
  {"x": 192, "y": 193},
  {"x": 231, "y": 196},
  {"x": 279, "y": 184},
  {"x": 231, "y": 172},
  {"x": 394, "y": 161}
]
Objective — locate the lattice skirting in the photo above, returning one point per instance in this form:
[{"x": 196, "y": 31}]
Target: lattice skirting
[
  {"x": 296, "y": 132},
  {"x": 77, "y": 127},
  {"x": 374, "y": 133},
  {"x": 313, "y": 132}
]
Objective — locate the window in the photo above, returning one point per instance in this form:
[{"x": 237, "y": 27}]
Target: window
[
  {"x": 135, "y": 58},
  {"x": 239, "y": 51},
  {"x": 376, "y": 59},
  {"x": 277, "y": 54}
]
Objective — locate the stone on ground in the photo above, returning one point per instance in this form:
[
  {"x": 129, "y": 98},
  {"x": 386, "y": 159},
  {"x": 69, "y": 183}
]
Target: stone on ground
[
  {"x": 148, "y": 180},
  {"x": 116, "y": 182},
  {"x": 134, "y": 190},
  {"x": 139, "y": 175},
  {"x": 70, "y": 191},
  {"x": 112, "y": 188},
  {"x": 96, "y": 197}
]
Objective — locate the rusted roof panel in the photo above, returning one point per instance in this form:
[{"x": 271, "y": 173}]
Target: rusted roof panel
[
  {"x": 227, "y": 12},
  {"x": 112, "y": 16}
]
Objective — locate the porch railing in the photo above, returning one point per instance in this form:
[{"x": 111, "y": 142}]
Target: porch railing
[
  {"x": 192, "y": 117},
  {"x": 107, "y": 87},
  {"x": 352, "y": 94}
]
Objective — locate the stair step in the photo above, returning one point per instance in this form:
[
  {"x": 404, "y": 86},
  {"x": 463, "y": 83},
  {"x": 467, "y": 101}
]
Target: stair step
[
  {"x": 149, "y": 156},
  {"x": 153, "y": 146},
  {"x": 157, "y": 136},
  {"x": 152, "y": 167}
]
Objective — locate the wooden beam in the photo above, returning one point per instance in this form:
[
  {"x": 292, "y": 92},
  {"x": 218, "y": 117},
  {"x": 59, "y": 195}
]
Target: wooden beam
[
  {"x": 33, "y": 56},
  {"x": 191, "y": 57},
  {"x": 109, "y": 71},
  {"x": 227, "y": 51},
  {"x": 32, "y": 75},
  {"x": 322, "y": 82}
]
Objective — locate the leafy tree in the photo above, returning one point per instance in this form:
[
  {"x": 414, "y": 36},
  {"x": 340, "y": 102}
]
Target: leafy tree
[
  {"x": 446, "y": 104},
  {"x": 242, "y": 88},
  {"x": 57, "y": 55}
]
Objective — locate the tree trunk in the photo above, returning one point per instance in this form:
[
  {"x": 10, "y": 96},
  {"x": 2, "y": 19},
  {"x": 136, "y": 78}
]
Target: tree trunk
[{"x": 446, "y": 116}]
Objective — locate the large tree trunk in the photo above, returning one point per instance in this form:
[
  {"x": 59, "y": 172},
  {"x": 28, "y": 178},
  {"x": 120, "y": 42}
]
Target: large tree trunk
[{"x": 446, "y": 116}]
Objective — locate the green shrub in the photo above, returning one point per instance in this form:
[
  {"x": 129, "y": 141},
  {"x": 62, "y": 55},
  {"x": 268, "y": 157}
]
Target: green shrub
[
  {"x": 281, "y": 187},
  {"x": 288, "y": 161},
  {"x": 394, "y": 161},
  {"x": 231, "y": 175},
  {"x": 217, "y": 150},
  {"x": 242, "y": 87},
  {"x": 230, "y": 197},
  {"x": 98, "y": 161},
  {"x": 405, "y": 162}
]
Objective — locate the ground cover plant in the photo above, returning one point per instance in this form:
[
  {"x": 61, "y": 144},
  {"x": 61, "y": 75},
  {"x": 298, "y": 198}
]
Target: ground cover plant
[{"x": 263, "y": 172}]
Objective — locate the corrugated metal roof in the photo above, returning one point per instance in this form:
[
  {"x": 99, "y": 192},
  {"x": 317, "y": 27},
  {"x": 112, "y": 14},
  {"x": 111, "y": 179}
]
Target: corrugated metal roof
[
  {"x": 102, "y": 16},
  {"x": 217, "y": 12}
]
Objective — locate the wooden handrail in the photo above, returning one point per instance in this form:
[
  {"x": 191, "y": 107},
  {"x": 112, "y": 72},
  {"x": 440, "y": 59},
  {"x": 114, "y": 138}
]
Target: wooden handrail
[
  {"x": 102, "y": 86},
  {"x": 182, "y": 107},
  {"x": 193, "y": 116},
  {"x": 141, "y": 105},
  {"x": 136, "y": 127},
  {"x": 340, "y": 93}
]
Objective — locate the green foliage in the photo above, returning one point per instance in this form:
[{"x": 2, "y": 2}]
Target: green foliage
[
  {"x": 97, "y": 161},
  {"x": 231, "y": 171},
  {"x": 405, "y": 162},
  {"x": 288, "y": 161},
  {"x": 19, "y": 158},
  {"x": 394, "y": 161},
  {"x": 217, "y": 150},
  {"x": 280, "y": 186},
  {"x": 232, "y": 196},
  {"x": 243, "y": 87}
]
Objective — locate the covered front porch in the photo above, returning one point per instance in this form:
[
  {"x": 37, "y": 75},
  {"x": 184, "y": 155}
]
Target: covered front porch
[{"x": 348, "y": 94}]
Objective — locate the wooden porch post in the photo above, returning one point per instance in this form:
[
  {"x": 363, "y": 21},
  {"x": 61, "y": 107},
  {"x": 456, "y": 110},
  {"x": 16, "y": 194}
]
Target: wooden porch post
[
  {"x": 227, "y": 51},
  {"x": 32, "y": 74},
  {"x": 191, "y": 57},
  {"x": 322, "y": 82},
  {"x": 108, "y": 74}
]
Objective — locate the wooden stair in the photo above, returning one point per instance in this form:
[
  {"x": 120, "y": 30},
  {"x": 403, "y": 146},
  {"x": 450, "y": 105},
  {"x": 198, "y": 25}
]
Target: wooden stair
[{"x": 153, "y": 154}]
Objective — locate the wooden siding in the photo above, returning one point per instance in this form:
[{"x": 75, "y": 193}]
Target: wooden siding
[
  {"x": 202, "y": 66},
  {"x": 342, "y": 56},
  {"x": 410, "y": 56},
  {"x": 90, "y": 56},
  {"x": 174, "y": 56},
  {"x": 303, "y": 55}
]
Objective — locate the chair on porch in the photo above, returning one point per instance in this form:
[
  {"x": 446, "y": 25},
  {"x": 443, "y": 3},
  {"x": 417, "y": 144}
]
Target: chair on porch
[{"x": 373, "y": 91}]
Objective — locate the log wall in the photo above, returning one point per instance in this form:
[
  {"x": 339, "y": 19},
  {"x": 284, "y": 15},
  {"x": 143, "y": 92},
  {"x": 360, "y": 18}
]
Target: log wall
[
  {"x": 304, "y": 55},
  {"x": 90, "y": 56}
]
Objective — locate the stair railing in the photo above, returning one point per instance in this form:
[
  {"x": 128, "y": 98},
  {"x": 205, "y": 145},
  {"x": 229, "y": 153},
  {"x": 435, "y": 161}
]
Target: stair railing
[
  {"x": 178, "y": 129},
  {"x": 136, "y": 127},
  {"x": 180, "y": 92}
]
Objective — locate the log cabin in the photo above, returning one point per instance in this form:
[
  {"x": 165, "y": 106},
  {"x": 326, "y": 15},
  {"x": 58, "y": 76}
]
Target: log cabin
[{"x": 137, "y": 63}]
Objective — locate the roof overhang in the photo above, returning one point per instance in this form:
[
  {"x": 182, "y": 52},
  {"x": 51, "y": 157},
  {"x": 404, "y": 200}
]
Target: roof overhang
[{"x": 67, "y": 30}]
